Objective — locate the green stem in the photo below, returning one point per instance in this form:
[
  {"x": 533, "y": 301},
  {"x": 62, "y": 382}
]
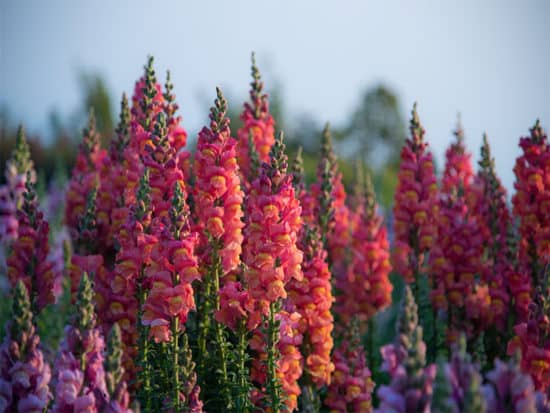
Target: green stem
[
  {"x": 273, "y": 386},
  {"x": 242, "y": 401},
  {"x": 204, "y": 326},
  {"x": 220, "y": 339},
  {"x": 144, "y": 378},
  {"x": 175, "y": 367}
]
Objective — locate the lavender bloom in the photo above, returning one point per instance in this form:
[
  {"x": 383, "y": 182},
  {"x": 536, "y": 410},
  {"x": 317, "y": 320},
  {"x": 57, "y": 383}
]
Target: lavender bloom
[
  {"x": 410, "y": 389},
  {"x": 79, "y": 367},
  {"x": 24, "y": 376},
  {"x": 509, "y": 390}
]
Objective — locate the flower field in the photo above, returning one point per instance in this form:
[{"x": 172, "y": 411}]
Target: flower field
[{"x": 218, "y": 279}]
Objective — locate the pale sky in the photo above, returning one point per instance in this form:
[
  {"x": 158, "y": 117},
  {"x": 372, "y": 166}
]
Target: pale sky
[{"x": 490, "y": 60}]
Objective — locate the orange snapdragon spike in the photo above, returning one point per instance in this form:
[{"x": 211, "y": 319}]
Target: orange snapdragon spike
[
  {"x": 366, "y": 288},
  {"x": 258, "y": 127},
  {"x": 218, "y": 195}
]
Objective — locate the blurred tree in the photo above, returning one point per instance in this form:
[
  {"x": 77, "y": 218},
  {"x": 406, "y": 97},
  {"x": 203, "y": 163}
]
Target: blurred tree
[
  {"x": 377, "y": 127},
  {"x": 95, "y": 94}
]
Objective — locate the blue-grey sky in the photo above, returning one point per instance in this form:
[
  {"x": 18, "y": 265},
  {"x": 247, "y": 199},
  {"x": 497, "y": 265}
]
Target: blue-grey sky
[{"x": 489, "y": 60}]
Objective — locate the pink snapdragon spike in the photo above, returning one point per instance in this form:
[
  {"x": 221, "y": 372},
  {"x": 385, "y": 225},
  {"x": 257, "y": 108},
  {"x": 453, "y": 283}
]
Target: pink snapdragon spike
[
  {"x": 288, "y": 366},
  {"x": 330, "y": 209},
  {"x": 509, "y": 390},
  {"x": 8, "y": 218},
  {"x": 487, "y": 200},
  {"x": 312, "y": 299},
  {"x": 273, "y": 222},
  {"x": 29, "y": 261},
  {"x": 312, "y": 296},
  {"x": 218, "y": 195},
  {"x": 111, "y": 204},
  {"x": 24, "y": 374},
  {"x": 366, "y": 289},
  {"x": 457, "y": 268},
  {"x": 411, "y": 384},
  {"x": 532, "y": 201},
  {"x": 85, "y": 175},
  {"x": 351, "y": 385},
  {"x": 257, "y": 134},
  {"x": 174, "y": 265},
  {"x": 136, "y": 245},
  {"x": 79, "y": 365},
  {"x": 415, "y": 206}
]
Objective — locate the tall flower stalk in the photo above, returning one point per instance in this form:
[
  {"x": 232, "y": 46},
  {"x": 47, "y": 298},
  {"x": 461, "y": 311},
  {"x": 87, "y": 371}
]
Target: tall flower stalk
[{"x": 218, "y": 199}]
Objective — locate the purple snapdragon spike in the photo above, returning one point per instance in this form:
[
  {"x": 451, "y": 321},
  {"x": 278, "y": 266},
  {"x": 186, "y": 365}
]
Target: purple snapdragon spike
[
  {"x": 19, "y": 168},
  {"x": 79, "y": 367},
  {"x": 24, "y": 376},
  {"x": 510, "y": 390},
  {"x": 411, "y": 384}
]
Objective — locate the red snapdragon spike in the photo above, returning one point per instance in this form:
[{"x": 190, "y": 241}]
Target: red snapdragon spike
[
  {"x": 84, "y": 177},
  {"x": 487, "y": 201},
  {"x": 258, "y": 126},
  {"x": 366, "y": 289},
  {"x": 351, "y": 386},
  {"x": 458, "y": 173},
  {"x": 532, "y": 200},
  {"x": 415, "y": 205},
  {"x": 312, "y": 299},
  {"x": 218, "y": 195},
  {"x": 533, "y": 338},
  {"x": 29, "y": 261},
  {"x": 271, "y": 232}
]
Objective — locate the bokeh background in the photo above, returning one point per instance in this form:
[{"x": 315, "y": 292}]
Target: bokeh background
[{"x": 358, "y": 64}]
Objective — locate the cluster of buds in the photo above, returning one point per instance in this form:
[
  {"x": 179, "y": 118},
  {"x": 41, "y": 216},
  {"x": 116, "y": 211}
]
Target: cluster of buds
[
  {"x": 257, "y": 135},
  {"x": 24, "y": 375},
  {"x": 367, "y": 288},
  {"x": 29, "y": 260},
  {"x": 410, "y": 389},
  {"x": 351, "y": 385},
  {"x": 532, "y": 200},
  {"x": 218, "y": 196},
  {"x": 79, "y": 366},
  {"x": 415, "y": 207}
]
